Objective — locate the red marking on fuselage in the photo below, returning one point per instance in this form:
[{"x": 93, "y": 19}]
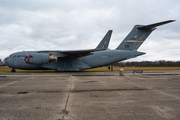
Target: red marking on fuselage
[{"x": 28, "y": 58}]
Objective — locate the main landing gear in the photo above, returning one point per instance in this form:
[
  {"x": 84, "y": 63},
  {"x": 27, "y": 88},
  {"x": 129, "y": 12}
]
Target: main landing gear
[{"x": 13, "y": 70}]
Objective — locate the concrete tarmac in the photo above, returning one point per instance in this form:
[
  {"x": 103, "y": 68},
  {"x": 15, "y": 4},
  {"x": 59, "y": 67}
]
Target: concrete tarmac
[{"x": 153, "y": 95}]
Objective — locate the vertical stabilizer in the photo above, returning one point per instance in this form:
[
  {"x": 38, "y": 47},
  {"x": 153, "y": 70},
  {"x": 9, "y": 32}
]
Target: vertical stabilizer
[{"x": 138, "y": 35}]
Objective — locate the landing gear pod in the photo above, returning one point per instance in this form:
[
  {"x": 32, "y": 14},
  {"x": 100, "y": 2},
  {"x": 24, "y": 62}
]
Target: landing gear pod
[{"x": 39, "y": 58}]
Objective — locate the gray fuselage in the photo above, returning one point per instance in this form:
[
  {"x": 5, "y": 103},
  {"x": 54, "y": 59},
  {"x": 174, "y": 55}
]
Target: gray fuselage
[{"x": 95, "y": 59}]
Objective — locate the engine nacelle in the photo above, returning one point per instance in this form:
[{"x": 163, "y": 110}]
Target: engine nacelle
[{"x": 39, "y": 58}]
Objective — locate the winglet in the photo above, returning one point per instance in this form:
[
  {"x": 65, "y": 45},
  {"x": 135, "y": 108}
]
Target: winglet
[
  {"x": 103, "y": 45},
  {"x": 146, "y": 27}
]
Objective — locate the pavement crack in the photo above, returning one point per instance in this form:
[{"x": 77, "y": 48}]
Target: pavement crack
[
  {"x": 65, "y": 112},
  {"x": 131, "y": 89}
]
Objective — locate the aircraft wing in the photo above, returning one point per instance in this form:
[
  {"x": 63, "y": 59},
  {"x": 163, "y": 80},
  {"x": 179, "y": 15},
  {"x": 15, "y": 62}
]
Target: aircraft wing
[
  {"x": 103, "y": 45},
  {"x": 77, "y": 53},
  {"x": 70, "y": 53}
]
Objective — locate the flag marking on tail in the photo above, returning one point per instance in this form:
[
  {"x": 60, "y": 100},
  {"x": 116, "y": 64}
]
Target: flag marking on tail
[{"x": 133, "y": 41}]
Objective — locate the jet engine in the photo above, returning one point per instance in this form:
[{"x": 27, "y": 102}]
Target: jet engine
[{"x": 39, "y": 58}]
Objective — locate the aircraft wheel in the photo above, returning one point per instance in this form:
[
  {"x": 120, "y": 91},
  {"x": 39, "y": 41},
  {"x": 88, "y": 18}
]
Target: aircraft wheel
[{"x": 13, "y": 70}]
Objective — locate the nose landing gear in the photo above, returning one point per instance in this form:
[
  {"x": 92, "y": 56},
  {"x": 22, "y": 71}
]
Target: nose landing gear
[{"x": 13, "y": 70}]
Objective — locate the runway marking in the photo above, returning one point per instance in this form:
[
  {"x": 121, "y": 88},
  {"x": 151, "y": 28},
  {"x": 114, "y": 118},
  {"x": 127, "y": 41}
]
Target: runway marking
[
  {"x": 159, "y": 90},
  {"x": 9, "y": 84},
  {"x": 164, "y": 112},
  {"x": 14, "y": 82},
  {"x": 168, "y": 94}
]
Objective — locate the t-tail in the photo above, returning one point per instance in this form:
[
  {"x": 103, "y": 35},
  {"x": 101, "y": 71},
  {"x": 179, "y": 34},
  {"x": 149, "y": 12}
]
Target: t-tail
[{"x": 138, "y": 35}]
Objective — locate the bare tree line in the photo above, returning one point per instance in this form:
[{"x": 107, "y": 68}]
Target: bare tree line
[{"x": 160, "y": 63}]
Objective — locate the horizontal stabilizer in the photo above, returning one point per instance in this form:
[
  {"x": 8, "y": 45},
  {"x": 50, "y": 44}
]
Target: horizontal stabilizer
[{"x": 146, "y": 27}]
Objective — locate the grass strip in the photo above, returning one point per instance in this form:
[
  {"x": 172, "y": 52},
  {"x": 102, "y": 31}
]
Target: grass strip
[{"x": 101, "y": 69}]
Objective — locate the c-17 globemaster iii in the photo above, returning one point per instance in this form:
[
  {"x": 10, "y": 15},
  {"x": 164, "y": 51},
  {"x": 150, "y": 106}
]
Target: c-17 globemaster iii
[{"x": 77, "y": 60}]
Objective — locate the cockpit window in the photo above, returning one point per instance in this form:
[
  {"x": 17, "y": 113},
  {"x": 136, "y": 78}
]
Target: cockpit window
[{"x": 9, "y": 56}]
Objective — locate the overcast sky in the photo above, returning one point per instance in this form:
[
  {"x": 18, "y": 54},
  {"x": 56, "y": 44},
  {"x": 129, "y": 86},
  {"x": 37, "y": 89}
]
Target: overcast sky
[{"x": 81, "y": 24}]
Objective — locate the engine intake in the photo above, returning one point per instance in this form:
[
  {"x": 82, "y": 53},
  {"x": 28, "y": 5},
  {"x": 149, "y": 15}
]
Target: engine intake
[{"x": 39, "y": 58}]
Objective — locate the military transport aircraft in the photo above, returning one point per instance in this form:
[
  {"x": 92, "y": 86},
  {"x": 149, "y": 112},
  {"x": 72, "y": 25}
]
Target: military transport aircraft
[{"x": 77, "y": 60}]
